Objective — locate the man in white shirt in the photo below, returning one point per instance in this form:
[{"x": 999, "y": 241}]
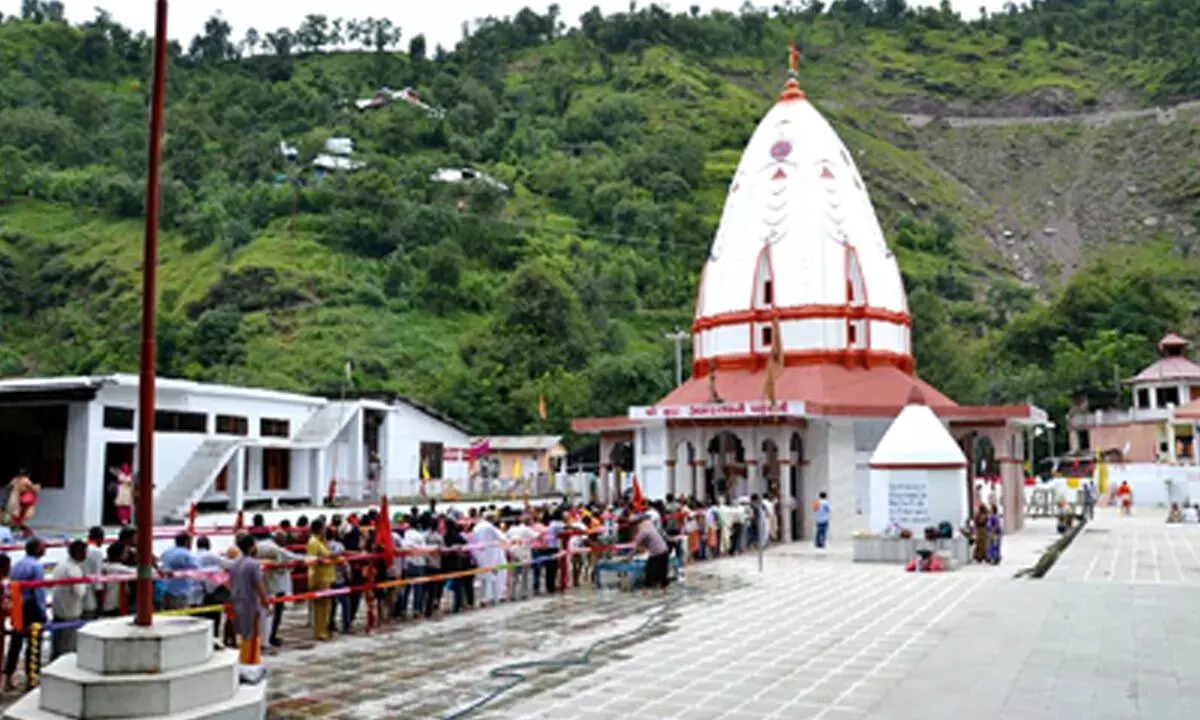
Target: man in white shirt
[
  {"x": 279, "y": 580},
  {"x": 93, "y": 566},
  {"x": 412, "y": 542},
  {"x": 491, "y": 554},
  {"x": 520, "y": 552},
  {"x": 69, "y": 599},
  {"x": 212, "y": 590}
]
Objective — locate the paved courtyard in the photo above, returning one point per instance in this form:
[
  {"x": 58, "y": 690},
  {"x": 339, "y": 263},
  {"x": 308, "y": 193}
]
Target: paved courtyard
[{"x": 810, "y": 636}]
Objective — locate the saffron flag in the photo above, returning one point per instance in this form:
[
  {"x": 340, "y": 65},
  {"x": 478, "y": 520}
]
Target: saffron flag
[
  {"x": 383, "y": 533},
  {"x": 516, "y": 469},
  {"x": 239, "y": 523},
  {"x": 639, "y": 501},
  {"x": 542, "y": 407},
  {"x": 425, "y": 471}
]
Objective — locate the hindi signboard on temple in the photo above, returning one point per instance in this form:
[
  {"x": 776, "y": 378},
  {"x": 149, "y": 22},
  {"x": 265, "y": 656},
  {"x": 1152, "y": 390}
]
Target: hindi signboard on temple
[{"x": 908, "y": 502}]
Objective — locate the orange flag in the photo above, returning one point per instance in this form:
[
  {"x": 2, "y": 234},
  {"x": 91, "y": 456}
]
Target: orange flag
[
  {"x": 542, "y": 407},
  {"x": 239, "y": 523},
  {"x": 639, "y": 500},
  {"x": 191, "y": 524}
]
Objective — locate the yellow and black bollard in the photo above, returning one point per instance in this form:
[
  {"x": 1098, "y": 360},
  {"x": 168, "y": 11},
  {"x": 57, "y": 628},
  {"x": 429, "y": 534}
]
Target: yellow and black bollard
[{"x": 33, "y": 676}]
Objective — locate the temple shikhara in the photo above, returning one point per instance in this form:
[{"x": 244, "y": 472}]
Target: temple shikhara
[{"x": 802, "y": 349}]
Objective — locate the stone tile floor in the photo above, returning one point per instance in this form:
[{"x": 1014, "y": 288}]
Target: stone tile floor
[
  {"x": 810, "y": 636},
  {"x": 1140, "y": 549}
]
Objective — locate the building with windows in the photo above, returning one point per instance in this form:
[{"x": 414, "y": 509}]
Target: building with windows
[
  {"x": 801, "y": 347},
  {"x": 1161, "y": 424},
  {"x": 216, "y": 444}
]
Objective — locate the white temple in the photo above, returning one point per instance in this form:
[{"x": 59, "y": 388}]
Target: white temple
[
  {"x": 918, "y": 473},
  {"x": 802, "y": 354}
]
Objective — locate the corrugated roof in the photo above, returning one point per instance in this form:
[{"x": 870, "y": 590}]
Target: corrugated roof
[
  {"x": 1168, "y": 368},
  {"x": 522, "y": 442}
]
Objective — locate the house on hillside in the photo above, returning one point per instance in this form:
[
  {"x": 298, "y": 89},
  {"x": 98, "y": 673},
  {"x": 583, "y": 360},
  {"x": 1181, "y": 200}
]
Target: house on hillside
[
  {"x": 386, "y": 96},
  {"x": 216, "y": 444},
  {"x": 1161, "y": 424},
  {"x": 467, "y": 175}
]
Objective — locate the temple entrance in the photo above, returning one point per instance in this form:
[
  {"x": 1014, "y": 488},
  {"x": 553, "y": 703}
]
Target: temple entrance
[
  {"x": 726, "y": 465},
  {"x": 796, "y": 481}
]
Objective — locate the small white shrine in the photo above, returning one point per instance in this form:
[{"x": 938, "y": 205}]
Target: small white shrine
[{"x": 918, "y": 472}]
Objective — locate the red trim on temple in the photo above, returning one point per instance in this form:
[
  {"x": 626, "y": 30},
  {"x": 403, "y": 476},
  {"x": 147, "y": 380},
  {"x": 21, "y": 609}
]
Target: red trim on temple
[
  {"x": 918, "y": 466},
  {"x": 586, "y": 426},
  {"x": 859, "y": 358},
  {"x": 803, "y": 312}
]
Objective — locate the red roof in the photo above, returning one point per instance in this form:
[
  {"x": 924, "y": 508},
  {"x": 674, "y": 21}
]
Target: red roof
[
  {"x": 1169, "y": 368},
  {"x": 825, "y": 388}
]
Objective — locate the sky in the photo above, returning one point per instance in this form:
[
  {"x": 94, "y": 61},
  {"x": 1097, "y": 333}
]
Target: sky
[{"x": 440, "y": 24}]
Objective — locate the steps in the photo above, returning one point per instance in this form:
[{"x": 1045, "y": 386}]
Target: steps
[
  {"x": 167, "y": 671},
  {"x": 193, "y": 479},
  {"x": 323, "y": 427}
]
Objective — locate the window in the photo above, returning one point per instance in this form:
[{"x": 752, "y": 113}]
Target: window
[
  {"x": 118, "y": 418},
  {"x": 768, "y": 292},
  {"x": 180, "y": 422},
  {"x": 851, "y": 335},
  {"x": 767, "y": 337},
  {"x": 1167, "y": 396},
  {"x": 268, "y": 427},
  {"x": 232, "y": 425},
  {"x": 1143, "y": 398}
]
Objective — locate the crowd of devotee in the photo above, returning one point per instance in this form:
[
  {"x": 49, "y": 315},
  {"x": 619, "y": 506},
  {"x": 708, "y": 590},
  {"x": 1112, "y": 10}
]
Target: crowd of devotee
[{"x": 350, "y": 571}]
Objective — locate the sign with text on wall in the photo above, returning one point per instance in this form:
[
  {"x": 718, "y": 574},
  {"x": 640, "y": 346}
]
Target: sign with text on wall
[
  {"x": 908, "y": 502},
  {"x": 784, "y": 408}
]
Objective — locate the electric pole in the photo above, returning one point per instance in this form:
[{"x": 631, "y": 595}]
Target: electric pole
[{"x": 678, "y": 336}]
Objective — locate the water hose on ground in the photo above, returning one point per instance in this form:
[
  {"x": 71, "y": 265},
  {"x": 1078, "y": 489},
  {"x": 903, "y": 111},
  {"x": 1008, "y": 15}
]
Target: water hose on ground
[{"x": 513, "y": 674}]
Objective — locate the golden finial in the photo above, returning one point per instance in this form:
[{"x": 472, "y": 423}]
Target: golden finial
[{"x": 791, "y": 90}]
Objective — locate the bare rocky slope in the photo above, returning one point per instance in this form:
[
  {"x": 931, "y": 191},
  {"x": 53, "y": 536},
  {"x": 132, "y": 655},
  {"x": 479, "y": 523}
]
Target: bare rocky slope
[{"x": 1060, "y": 188}]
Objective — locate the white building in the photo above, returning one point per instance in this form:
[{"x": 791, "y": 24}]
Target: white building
[
  {"x": 215, "y": 444},
  {"x": 801, "y": 348}
]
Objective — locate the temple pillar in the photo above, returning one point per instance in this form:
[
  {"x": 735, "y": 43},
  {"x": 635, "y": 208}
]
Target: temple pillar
[
  {"x": 783, "y": 503},
  {"x": 699, "y": 466},
  {"x": 671, "y": 479}
]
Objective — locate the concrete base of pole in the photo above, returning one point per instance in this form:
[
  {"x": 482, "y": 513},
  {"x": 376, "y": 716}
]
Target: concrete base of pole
[{"x": 167, "y": 671}]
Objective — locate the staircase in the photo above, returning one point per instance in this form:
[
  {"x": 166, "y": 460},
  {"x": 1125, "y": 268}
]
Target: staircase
[
  {"x": 193, "y": 479},
  {"x": 322, "y": 428}
]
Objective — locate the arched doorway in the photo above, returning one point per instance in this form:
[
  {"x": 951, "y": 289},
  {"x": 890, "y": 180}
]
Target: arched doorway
[
  {"x": 796, "y": 480},
  {"x": 726, "y": 463},
  {"x": 983, "y": 468},
  {"x": 683, "y": 472}
]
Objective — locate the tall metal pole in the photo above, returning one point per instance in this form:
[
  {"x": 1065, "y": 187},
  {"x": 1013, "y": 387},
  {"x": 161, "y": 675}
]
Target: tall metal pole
[
  {"x": 678, "y": 336},
  {"x": 145, "y": 489}
]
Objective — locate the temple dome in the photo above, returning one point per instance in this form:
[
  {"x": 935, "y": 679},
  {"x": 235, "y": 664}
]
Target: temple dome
[{"x": 799, "y": 253}]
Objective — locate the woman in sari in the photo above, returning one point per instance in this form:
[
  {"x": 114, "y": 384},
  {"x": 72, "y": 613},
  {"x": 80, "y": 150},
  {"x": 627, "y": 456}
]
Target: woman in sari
[
  {"x": 979, "y": 523},
  {"x": 22, "y": 501},
  {"x": 995, "y": 531}
]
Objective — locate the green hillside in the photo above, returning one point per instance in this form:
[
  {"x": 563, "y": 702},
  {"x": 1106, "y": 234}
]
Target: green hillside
[{"x": 614, "y": 143}]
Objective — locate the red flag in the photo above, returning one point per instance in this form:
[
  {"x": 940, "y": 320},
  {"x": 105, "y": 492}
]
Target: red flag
[
  {"x": 191, "y": 524},
  {"x": 639, "y": 500},
  {"x": 239, "y": 523},
  {"x": 383, "y": 532}
]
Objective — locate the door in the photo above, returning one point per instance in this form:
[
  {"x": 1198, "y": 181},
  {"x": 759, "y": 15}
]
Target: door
[
  {"x": 276, "y": 469},
  {"x": 797, "y": 504},
  {"x": 115, "y": 455}
]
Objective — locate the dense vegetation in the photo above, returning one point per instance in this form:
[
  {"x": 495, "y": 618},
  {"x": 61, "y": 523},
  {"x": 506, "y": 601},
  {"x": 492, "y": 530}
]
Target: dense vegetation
[{"x": 614, "y": 143}]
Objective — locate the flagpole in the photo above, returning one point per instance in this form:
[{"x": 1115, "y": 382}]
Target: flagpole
[{"x": 145, "y": 486}]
